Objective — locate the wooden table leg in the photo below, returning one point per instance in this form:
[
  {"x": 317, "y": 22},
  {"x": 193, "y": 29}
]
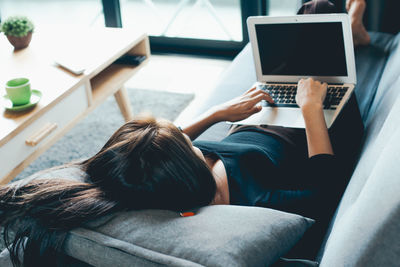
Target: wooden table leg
[{"x": 121, "y": 96}]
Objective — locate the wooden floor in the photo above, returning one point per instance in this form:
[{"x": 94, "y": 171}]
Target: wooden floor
[{"x": 178, "y": 73}]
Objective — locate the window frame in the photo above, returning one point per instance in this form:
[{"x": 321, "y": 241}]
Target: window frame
[{"x": 207, "y": 47}]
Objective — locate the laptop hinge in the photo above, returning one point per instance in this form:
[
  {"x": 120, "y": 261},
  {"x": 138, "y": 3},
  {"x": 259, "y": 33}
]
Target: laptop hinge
[{"x": 296, "y": 83}]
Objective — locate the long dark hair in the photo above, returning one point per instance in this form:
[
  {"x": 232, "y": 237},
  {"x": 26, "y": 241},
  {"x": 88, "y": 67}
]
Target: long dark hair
[{"x": 146, "y": 164}]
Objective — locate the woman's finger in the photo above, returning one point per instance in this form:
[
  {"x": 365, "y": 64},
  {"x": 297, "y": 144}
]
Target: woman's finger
[
  {"x": 269, "y": 99},
  {"x": 263, "y": 96},
  {"x": 255, "y": 109},
  {"x": 256, "y": 92},
  {"x": 250, "y": 90}
]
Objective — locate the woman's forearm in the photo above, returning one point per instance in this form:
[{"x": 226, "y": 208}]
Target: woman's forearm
[
  {"x": 236, "y": 109},
  {"x": 317, "y": 133},
  {"x": 202, "y": 123}
]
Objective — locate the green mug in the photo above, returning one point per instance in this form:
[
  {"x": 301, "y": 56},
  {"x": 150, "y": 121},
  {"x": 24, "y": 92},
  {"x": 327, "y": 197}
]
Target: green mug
[{"x": 19, "y": 91}]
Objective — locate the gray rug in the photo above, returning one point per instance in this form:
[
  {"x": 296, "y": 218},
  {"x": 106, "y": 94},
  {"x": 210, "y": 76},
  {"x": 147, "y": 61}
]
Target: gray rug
[{"x": 87, "y": 137}]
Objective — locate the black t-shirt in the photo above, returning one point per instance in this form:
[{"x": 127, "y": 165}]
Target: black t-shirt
[{"x": 267, "y": 171}]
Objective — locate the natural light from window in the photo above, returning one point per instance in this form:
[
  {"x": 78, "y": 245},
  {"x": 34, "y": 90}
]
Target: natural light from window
[{"x": 201, "y": 19}]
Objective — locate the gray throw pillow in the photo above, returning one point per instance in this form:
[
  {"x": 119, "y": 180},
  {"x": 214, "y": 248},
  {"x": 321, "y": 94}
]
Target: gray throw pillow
[
  {"x": 221, "y": 235},
  {"x": 215, "y": 236}
]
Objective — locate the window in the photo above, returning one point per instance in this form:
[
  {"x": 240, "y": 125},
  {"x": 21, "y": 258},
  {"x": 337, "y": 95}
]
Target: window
[
  {"x": 212, "y": 27},
  {"x": 51, "y": 12},
  {"x": 199, "y": 19},
  {"x": 215, "y": 27}
]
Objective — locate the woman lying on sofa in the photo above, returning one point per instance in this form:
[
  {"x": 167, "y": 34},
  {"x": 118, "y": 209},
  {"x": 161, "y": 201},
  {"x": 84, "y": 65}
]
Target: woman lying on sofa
[{"x": 151, "y": 164}]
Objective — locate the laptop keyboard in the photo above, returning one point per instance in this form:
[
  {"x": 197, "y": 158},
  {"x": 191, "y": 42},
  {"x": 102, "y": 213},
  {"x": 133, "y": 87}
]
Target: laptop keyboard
[{"x": 284, "y": 95}]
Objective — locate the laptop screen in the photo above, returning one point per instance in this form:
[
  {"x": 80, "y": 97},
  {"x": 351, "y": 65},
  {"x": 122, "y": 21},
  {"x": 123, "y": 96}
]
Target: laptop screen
[{"x": 302, "y": 49}]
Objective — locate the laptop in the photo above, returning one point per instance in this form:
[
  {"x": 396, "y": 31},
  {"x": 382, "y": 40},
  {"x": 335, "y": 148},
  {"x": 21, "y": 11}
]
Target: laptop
[{"x": 287, "y": 49}]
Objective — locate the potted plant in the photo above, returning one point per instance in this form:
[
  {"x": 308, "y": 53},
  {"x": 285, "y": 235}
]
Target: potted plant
[{"x": 18, "y": 30}]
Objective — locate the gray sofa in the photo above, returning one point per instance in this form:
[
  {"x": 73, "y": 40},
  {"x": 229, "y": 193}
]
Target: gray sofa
[{"x": 365, "y": 231}]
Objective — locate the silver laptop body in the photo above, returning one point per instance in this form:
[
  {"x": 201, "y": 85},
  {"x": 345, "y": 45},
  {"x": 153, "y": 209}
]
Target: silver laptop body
[{"x": 287, "y": 49}]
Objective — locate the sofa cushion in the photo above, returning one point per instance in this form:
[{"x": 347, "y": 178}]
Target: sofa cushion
[
  {"x": 375, "y": 75},
  {"x": 382, "y": 123},
  {"x": 367, "y": 233},
  {"x": 215, "y": 236},
  {"x": 370, "y": 64}
]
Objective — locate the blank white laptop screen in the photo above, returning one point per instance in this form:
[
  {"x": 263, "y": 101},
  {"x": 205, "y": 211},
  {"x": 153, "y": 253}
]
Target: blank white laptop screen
[{"x": 302, "y": 49}]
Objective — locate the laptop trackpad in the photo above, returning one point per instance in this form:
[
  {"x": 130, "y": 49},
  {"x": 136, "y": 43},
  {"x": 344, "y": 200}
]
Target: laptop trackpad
[{"x": 288, "y": 117}]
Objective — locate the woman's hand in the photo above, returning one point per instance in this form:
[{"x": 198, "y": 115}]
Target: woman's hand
[
  {"x": 310, "y": 93},
  {"x": 242, "y": 106},
  {"x": 310, "y": 98},
  {"x": 236, "y": 109}
]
